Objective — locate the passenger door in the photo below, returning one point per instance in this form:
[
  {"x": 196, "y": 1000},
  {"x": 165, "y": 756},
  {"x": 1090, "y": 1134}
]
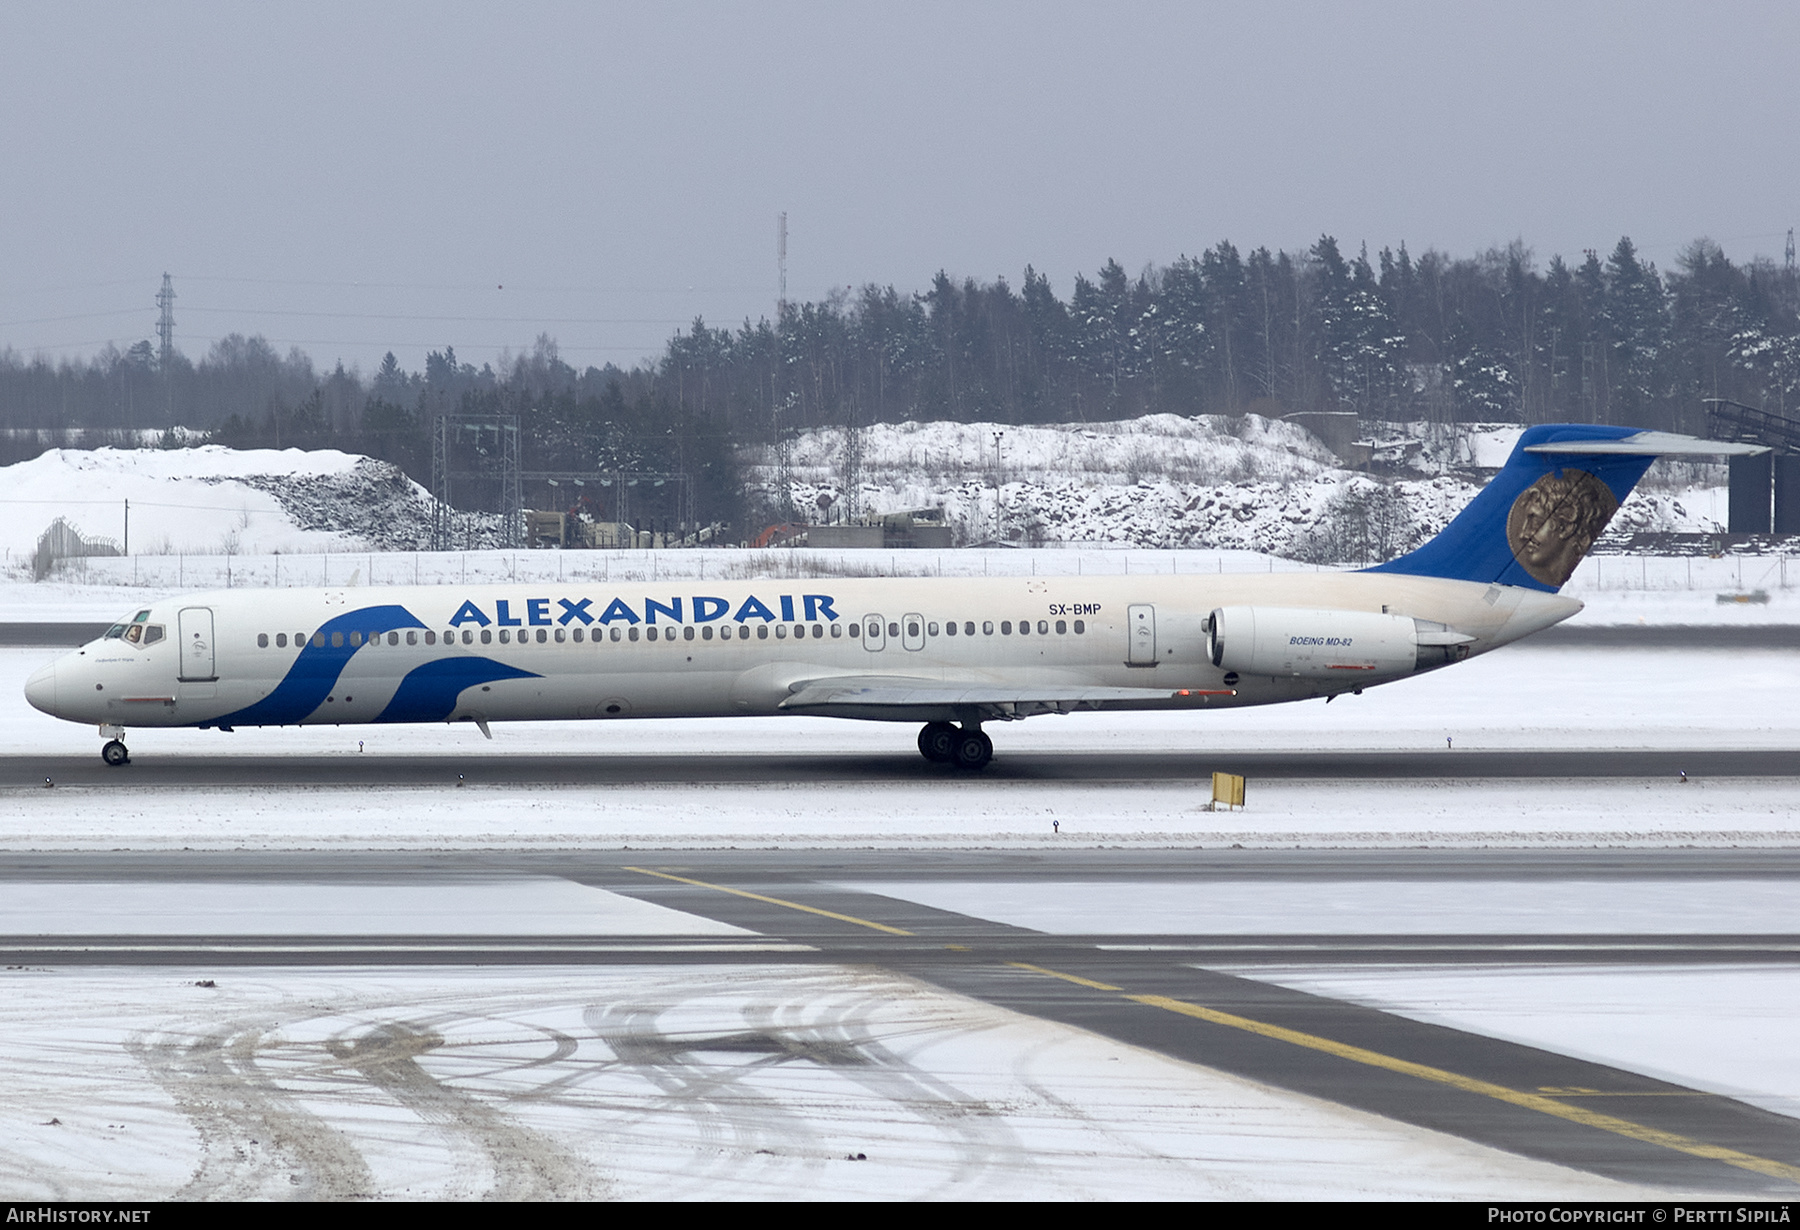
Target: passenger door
[{"x": 197, "y": 658}]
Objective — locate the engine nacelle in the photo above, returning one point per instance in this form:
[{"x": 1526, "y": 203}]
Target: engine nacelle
[{"x": 1340, "y": 645}]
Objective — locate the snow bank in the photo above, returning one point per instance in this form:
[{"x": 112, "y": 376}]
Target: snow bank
[
  {"x": 214, "y": 500},
  {"x": 1164, "y": 481}
]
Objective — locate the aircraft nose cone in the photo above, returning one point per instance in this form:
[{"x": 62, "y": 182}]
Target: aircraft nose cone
[{"x": 40, "y": 689}]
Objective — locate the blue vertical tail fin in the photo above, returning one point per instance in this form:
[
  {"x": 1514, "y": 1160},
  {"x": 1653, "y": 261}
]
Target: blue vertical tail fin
[{"x": 1548, "y": 505}]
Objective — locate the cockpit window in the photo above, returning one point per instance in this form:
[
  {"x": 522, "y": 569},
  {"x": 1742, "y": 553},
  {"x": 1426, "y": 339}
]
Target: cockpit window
[
  {"x": 135, "y": 633},
  {"x": 114, "y": 633},
  {"x": 140, "y": 617},
  {"x": 153, "y": 634}
]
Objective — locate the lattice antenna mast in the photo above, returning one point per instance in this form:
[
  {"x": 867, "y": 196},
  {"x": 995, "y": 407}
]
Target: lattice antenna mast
[
  {"x": 165, "y": 323},
  {"x": 165, "y": 332},
  {"x": 781, "y": 264}
]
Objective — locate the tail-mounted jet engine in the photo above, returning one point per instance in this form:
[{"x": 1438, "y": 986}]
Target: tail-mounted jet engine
[{"x": 1341, "y": 645}]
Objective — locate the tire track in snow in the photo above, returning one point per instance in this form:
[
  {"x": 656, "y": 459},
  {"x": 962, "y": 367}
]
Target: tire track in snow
[{"x": 256, "y": 1140}]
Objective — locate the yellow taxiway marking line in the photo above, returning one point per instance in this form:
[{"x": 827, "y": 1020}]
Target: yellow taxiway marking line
[
  {"x": 792, "y": 905},
  {"x": 1077, "y": 979},
  {"x": 1530, "y": 1101}
]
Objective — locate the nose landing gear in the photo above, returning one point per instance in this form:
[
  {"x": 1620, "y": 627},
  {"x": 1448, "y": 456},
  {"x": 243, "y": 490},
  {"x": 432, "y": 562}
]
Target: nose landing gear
[
  {"x": 115, "y": 752},
  {"x": 966, "y": 748}
]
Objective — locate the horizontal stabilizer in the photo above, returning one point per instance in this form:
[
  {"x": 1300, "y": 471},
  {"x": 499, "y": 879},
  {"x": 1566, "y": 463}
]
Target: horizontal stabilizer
[{"x": 1650, "y": 444}]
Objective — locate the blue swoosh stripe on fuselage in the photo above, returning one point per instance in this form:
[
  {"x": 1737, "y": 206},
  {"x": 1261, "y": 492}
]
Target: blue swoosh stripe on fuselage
[
  {"x": 429, "y": 692},
  {"x": 315, "y": 672}
]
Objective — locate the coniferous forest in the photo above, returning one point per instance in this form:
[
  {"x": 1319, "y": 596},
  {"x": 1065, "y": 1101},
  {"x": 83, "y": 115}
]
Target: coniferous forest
[{"x": 1493, "y": 338}]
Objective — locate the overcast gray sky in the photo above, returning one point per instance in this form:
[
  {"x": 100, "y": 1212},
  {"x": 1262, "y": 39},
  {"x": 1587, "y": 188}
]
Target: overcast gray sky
[{"x": 354, "y": 178}]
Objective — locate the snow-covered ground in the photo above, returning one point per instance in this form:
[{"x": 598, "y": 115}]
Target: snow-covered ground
[
  {"x": 694, "y": 1083},
  {"x": 520, "y": 906}
]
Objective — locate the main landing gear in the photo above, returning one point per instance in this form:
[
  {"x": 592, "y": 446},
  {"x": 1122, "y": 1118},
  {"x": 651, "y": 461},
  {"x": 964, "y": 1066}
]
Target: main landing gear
[{"x": 965, "y": 747}]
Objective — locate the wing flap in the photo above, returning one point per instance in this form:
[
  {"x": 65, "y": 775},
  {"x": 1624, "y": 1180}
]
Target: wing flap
[{"x": 866, "y": 692}]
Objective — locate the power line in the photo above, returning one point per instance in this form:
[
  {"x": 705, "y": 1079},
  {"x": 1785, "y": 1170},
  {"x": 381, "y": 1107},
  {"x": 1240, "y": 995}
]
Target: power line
[{"x": 503, "y": 320}]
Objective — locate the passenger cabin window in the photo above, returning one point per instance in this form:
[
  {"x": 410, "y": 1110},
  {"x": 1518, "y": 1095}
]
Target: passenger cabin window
[
  {"x": 762, "y": 632},
  {"x": 318, "y": 640},
  {"x": 837, "y": 630},
  {"x": 262, "y": 640},
  {"x": 1006, "y": 627},
  {"x": 1080, "y": 626},
  {"x": 281, "y": 640},
  {"x": 987, "y": 627}
]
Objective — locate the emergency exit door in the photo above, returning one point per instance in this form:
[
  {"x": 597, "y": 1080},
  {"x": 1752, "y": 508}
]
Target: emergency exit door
[{"x": 1140, "y": 621}]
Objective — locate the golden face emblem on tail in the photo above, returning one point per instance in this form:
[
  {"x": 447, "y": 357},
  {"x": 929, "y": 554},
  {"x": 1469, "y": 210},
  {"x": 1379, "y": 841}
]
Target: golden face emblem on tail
[{"x": 1554, "y": 522}]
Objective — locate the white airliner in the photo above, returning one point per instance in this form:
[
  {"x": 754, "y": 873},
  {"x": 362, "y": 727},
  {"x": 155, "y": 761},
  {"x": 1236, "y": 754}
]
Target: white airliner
[{"x": 952, "y": 654}]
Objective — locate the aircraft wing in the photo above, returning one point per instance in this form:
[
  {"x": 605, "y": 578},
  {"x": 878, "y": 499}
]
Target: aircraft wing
[{"x": 911, "y": 698}]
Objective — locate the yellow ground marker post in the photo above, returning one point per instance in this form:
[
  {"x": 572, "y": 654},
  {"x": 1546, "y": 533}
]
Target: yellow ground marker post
[{"x": 1228, "y": 788}]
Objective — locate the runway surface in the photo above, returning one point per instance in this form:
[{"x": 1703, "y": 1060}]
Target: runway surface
[
  {"x": 615, "y": 769},
  {"x": 1193, "y": 997}
]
